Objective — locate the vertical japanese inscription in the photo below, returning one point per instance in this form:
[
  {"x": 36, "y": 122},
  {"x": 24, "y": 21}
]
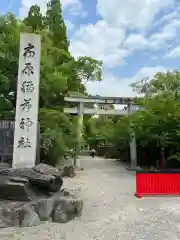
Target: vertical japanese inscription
[
  {"x": 28, "y": 70},
  {"x": 27, "y": 87}
]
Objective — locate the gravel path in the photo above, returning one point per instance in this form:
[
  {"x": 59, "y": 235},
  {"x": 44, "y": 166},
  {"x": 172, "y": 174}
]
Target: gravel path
[{"x": 110, "y": 211}]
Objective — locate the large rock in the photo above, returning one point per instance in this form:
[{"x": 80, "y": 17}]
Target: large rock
[
  {"x": 62, "y": 207},
  {"x": 17, "y": 214},
  {"x": 44, "y": 208},
  {"x": 56, "y": 209},
  {"x": 8, "y": 217},
  {"x": 48, "y": 182},
  {"x": 46, "y": 169},
  {"x": 17, "y": 189},
  {"x": 35, "y": 186},
  {"x": 66, "y": 209},
  {"x": 68, "y": 171},
  {"x": 27, "y": 216}
]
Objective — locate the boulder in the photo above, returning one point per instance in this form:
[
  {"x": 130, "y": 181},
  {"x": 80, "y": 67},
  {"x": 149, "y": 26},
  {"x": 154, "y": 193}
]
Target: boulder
[
  {"x": 27, "y": 216},
  {"x": 44, "y": 208},
  {"x": 46, "y": 169},
  {"x": 40, "y": 188},
  {"x": 55, "y": 209},
  {"x": 18, "y": 189},
  {"x": 66, "y": 209},
  {"x": 8, "y": 217},
  {"x": 17, "y": 214},
  {"x": 59, "y": 208},
  {"x": 68, "y": 171},
  {"x": 41, "y": 181}
]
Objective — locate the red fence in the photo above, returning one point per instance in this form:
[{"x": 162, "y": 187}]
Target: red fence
[{"x": 157, "y": 183}]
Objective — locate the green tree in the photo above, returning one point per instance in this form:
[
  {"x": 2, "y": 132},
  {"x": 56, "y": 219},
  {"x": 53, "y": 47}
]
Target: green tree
[
  {"x": 160, "y": 83},
  {"x": 35, "y": 18},
  {"x": 56, "y": 25},
  {"x": 158, "y": 124},
  {"x": 89, "y": 69},
  {"x": 9, "y": 51}
]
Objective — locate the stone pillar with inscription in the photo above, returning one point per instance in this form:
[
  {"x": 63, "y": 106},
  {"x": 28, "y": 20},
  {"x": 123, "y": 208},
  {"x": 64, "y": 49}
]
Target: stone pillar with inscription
[
  {"x": 27, "y": 103},
  {"x": 79, "y": 132},
  {"x": 133, "y": 153}
]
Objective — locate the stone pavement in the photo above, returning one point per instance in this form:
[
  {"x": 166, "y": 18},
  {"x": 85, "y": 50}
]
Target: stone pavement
[{"x": 110, "y": 211}]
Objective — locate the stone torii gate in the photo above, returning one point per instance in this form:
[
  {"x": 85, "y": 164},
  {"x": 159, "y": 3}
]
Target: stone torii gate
[{"x": 81, "y": 110}]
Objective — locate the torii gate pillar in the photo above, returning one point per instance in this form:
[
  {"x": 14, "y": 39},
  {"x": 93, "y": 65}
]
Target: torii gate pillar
[
  {"x": 79, "y": 132},
  {"x": 133, "y": 153}
]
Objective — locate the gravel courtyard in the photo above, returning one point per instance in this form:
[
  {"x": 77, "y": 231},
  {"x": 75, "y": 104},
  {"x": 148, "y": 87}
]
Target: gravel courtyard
[{"x": 110, "y": 209}]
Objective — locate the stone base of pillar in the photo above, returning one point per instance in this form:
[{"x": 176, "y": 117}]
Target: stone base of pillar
[
  {"x": 78, "y": 163},
  {"x": 133, "y": 168}
]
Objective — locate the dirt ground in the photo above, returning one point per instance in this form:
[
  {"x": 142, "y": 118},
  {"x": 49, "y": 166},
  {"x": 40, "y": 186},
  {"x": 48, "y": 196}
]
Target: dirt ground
[{"x": 111, "y": 211}]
